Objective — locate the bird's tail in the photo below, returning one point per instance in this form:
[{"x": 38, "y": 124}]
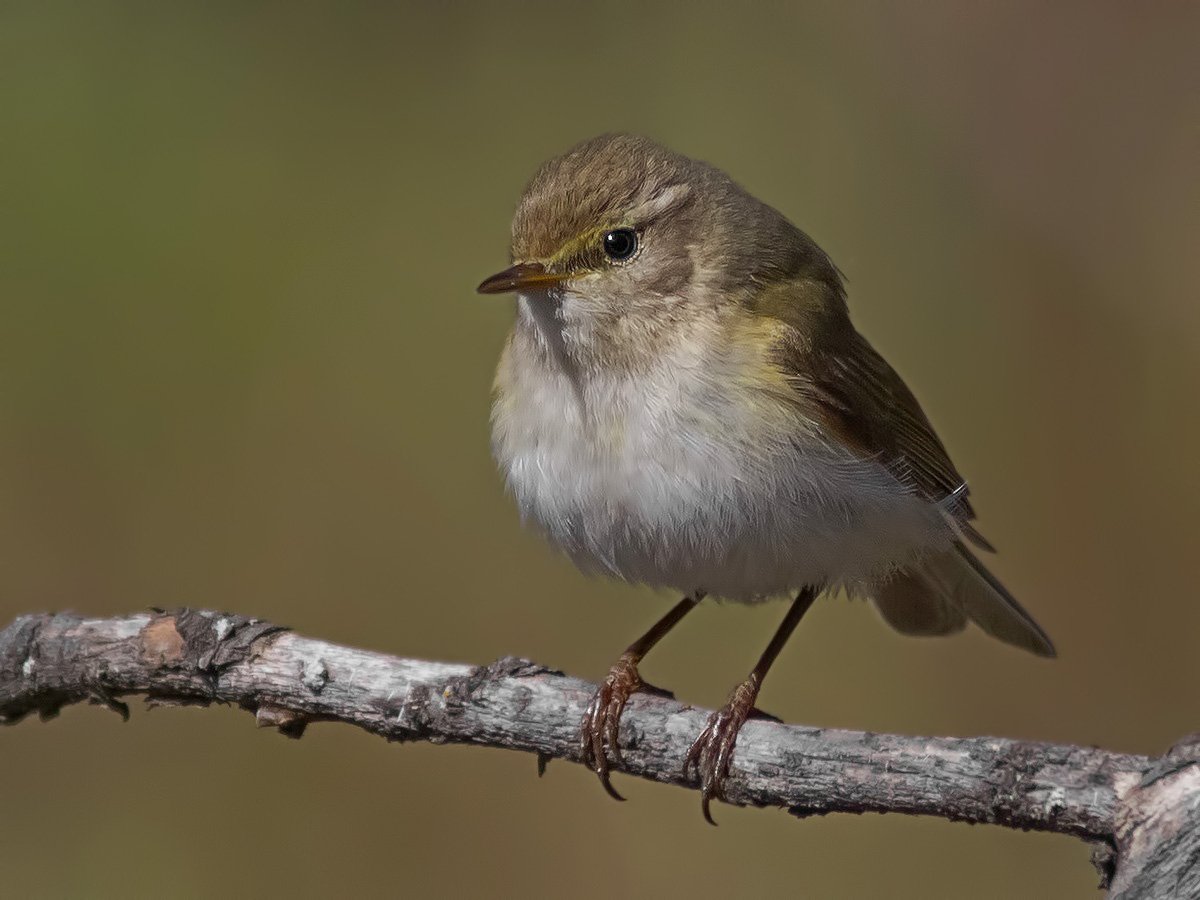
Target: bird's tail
[{"x": 941, "y": 592}]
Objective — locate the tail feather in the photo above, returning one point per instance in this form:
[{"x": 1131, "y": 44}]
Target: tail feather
[
  {"x": 911, "y": 604},
  {"x": 939, "y": 594}
]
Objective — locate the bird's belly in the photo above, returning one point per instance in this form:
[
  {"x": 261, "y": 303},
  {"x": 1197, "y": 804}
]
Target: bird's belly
[{"x": 712, "y": 508}]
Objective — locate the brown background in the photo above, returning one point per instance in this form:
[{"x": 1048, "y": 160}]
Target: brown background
[{"x": 242, "y": 366}]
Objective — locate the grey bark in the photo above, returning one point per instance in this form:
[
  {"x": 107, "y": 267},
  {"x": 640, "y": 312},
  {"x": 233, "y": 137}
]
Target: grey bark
[{"x": 1142, "y": 813}]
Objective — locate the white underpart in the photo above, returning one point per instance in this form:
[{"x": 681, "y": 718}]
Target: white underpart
[{"x": 671, "y": 480}]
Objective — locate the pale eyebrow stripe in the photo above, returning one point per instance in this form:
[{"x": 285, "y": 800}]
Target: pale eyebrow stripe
[{"x": 665, "y": 200}]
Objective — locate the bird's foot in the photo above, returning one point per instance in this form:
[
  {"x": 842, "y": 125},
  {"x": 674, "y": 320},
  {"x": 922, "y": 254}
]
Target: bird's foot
[
  {"x": 711, "y": 753},
  {"x": 599, "y": 729}
]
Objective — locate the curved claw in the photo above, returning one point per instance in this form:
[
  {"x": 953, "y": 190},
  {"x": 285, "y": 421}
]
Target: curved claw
[
  {"x": 600, "y": 728},
  {"x": 711, "y": 754}
]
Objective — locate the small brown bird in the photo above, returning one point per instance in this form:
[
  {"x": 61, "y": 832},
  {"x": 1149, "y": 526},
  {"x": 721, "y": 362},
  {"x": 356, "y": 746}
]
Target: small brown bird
[{"x": 684, "y": 403}]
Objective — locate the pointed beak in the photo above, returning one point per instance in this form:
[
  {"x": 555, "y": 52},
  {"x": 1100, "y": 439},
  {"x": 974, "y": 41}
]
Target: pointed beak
[{"x": 520, "y": 277}]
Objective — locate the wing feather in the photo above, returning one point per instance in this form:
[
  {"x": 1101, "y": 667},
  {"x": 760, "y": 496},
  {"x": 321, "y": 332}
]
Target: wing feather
[
  {"x": 841, "y": 381},
  {"x": 864, "y": 401}
]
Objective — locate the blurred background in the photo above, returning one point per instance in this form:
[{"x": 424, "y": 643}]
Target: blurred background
[{"x": 242, "y": 366}]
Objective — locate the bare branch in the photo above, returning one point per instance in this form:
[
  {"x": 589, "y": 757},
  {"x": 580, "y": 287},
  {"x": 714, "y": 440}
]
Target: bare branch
[{"x": 1144, "y": 813}]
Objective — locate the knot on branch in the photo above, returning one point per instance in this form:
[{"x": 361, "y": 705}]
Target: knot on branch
[
  {"x": 1015, "y": 793},
  {"x": 1157, "y": 828},
  {"x": 205, "y": 641},
  {"x": 462, "y": 691},
  {"x": 425, "y": 712}
]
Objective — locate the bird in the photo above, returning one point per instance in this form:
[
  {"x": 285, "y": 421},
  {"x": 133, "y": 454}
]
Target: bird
[{"x": 684, "y": 403}]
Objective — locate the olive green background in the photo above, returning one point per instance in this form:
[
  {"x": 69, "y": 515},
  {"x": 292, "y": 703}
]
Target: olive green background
[{"x": 242, "y": 366}]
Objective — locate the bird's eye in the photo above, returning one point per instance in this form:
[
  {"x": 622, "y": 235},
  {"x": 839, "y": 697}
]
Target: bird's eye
[{"x": 620, "y": 244}]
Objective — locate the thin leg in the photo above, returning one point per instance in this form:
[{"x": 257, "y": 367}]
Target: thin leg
[
  {"x": 712, "y": 752},
  {"x": 602, "y": 719}
]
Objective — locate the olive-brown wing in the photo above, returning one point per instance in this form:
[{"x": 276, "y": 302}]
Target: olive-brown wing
[{"x": 868, "y": 407}]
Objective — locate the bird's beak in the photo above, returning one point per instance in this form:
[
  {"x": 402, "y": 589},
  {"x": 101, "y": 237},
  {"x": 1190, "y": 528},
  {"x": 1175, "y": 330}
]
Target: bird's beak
[{"x": 520, "y": 277}]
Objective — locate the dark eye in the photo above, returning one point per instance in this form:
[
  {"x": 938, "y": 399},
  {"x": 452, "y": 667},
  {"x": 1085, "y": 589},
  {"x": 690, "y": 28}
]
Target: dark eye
[{"x": 620, "y": 244}]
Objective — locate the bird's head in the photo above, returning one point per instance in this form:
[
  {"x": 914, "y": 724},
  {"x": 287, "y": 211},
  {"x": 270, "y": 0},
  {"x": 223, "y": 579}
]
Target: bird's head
[{"x": 623, "y": 243}]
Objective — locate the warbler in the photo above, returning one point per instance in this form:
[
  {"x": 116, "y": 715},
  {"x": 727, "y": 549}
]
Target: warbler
[{"x": 684, "y": 403}]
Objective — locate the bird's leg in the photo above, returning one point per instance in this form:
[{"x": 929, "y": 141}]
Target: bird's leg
[
  {"x": 710, "y": 754},
  {"x": 601, "y": 720}
]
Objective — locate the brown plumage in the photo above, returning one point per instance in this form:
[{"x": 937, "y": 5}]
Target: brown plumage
[{"x": 684, "y": 402}]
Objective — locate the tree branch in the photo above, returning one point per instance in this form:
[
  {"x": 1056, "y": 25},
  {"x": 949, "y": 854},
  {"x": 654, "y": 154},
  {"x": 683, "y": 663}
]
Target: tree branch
[{"x": 1143, "y": 813}]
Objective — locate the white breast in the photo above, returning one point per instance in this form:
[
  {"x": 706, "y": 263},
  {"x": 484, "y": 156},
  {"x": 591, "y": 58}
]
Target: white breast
[{"x": 672, "y": 479}]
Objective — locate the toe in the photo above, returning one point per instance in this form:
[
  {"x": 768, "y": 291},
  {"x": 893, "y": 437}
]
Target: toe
[{"x": 612, "y": 729}]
